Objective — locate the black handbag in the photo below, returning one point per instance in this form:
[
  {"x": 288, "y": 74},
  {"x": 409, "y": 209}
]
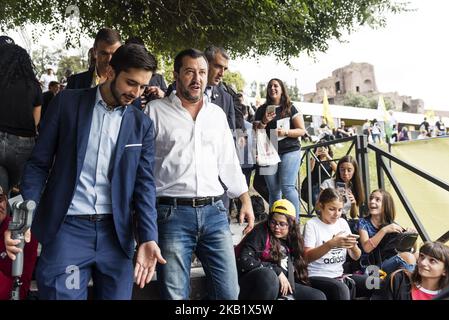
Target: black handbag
[
  {"x": 405, "y": 241},
  {"x": 391, "y": 245}
]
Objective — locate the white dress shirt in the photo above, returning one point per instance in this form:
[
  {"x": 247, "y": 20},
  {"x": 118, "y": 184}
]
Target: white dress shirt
[{"x": 191, "y": 155}]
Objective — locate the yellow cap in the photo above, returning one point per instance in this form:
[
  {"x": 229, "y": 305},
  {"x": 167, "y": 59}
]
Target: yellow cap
[{"x": 284, "y": 206}]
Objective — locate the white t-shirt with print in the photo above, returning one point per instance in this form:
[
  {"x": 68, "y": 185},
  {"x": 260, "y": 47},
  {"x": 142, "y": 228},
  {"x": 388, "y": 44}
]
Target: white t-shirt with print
[{"x": 316, "y": 233}]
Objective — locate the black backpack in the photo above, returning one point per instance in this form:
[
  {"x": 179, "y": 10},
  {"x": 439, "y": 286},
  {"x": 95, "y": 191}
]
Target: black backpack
[{"x": 258, "y": 207}]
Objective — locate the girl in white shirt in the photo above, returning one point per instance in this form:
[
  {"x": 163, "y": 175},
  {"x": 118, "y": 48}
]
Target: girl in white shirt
[{"x": 327, "y": 240}]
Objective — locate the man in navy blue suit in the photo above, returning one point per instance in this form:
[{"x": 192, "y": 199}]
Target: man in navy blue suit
[
  {"x": 105, "y": 43},
  {"x": 91, "y": 169}
]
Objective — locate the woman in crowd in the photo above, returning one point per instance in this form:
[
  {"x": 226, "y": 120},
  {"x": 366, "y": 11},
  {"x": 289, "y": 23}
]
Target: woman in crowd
[
  {"x": 327, "y": 240},
  {"x": 347, "y": 181},
  {"x": 20, "y": 109},
  {"x": 320, "y": 171},
  {"x": 280, "y": 117},
  {"x": 429, "y": 278},
  {"x": 270, "y": 259},
  {"x": 374, "y": 228}
]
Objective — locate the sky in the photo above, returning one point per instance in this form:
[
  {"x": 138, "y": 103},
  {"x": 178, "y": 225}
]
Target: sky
[{"x": 409, "y": 56}]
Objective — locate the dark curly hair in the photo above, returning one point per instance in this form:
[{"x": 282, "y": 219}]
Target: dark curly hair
[
  {"x": 295, "y": 243},
  {"x": 15, "y": 65}
]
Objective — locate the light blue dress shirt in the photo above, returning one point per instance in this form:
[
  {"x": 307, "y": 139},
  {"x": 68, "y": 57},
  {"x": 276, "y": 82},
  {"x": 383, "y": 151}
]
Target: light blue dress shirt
[{"x": 93, "y": 191}]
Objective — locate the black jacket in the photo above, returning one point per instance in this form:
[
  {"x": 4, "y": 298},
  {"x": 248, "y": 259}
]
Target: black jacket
[
  {"x": 81, "y": 80},
  {"x": 251, "y": 251}
]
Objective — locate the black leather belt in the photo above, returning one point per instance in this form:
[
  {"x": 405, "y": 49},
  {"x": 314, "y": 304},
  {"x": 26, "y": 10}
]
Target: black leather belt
[
  {"x": 93, "y": 217},
  {"x": 192, "y": 202}
]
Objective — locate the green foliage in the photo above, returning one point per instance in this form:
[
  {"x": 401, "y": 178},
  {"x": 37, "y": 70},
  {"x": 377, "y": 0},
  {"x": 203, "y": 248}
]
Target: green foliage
[
  {"x": 283, "y": 28},
  {"x": 293, "y": 92},
  {"x": 389, "y": 104},
  {"x": 74, "y": 63},
  {"x": 234, "y": 79},
  {"x": 43, "y": 57},
  {"x": 359, "y": 101}
]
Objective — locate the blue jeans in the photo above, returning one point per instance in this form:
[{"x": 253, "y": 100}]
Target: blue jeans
[
  {"x": 283, "y": 182},
  {"x": 14, "y": 152},
  {"x": 395, "y": 263},
  {"x": 184, "y": 230}
]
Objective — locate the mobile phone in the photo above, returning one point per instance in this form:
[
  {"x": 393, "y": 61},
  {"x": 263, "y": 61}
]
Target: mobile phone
[
  {"x": 271, "y": 108},
  {"x": 341, "y": 187}
]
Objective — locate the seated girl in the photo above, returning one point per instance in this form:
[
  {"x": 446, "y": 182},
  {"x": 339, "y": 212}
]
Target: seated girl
[
  {"x": 327, "y": 240},
  {"x": 271, "y": 263},
  {"x": 429, "y": 278},
  {"x": 348, "y": 182},
  {"x": 373, "y": 229}
]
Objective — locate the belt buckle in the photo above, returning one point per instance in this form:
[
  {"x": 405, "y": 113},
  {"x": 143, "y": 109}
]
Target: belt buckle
[
  {"x": 194, "y": 203},
  {"x": 95, "y": 218}
]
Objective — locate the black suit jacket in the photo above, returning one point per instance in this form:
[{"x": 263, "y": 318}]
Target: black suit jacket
[
  {"x": 81, "y": 80},
  {"x": 158, "y": 81},
  {"x": 224, "y": 100}
]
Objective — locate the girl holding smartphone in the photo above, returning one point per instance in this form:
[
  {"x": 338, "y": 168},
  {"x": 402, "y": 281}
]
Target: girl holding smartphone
[
  {"x": 327, "y": 241},
  {"x": 281, "y": 119}
]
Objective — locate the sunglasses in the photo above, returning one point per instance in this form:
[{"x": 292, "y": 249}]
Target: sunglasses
[{"x": 275, "y": 223}]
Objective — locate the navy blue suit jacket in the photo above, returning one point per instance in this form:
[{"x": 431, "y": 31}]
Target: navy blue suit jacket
[{"x": 53, "y": 170}]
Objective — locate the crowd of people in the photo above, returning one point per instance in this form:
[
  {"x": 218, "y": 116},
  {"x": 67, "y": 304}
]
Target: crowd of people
[{"x": 132, "y": 177}]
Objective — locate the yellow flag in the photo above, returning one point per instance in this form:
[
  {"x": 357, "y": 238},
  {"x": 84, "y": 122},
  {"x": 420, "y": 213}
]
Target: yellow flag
[
  {"x": 327, "y": 112},
  {"x": 383, "y": 114},
  {"x": 430, "y": 115}
]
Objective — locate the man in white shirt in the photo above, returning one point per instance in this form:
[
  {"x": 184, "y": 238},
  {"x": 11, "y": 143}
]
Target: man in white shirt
[
  {"x": 47, "y": 77},
  {"x": 194, "y": 146}
]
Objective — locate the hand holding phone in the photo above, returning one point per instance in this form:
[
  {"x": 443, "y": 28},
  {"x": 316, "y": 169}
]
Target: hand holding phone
[{"x": 271, "y": 108}]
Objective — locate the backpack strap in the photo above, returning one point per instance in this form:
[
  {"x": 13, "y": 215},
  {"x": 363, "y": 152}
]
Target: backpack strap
[{"x": 394, "y": 273}]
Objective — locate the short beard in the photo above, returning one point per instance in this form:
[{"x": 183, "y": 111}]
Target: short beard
[
  {"x": 115, "y": 93},
  {"x": 186, "y": 95}
]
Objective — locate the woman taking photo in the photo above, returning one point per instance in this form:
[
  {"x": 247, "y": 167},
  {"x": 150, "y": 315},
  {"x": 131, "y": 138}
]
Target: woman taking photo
[
  {"x": 280, "y": 118},
  {"x": 320, "y": 170},
  {"x": 347, "y": 181},
  {"x": 20, "y": 108}
]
